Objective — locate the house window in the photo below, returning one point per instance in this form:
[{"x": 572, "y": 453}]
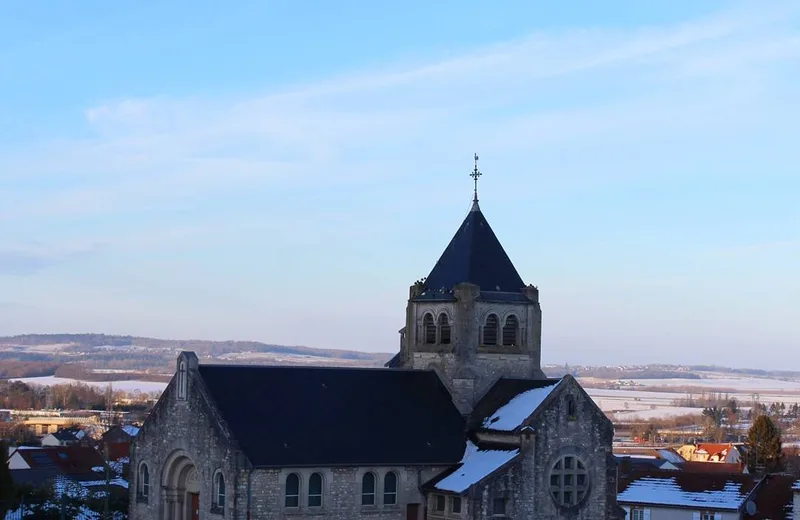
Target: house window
[
  {"x": 438, "y": 505},
  {"x": 292, "y": 490},
  {"x": 219, "y": 490},
  {"x": 569, "y": 481},
  {"x": 444, "y": 329},
  {"x": 572, "y": 409},
  {"x": 182, "y": 380},
  {"x": 510, "y": 330},
  {"x": 315, "y": 490},
  {"x": 368, "y": 489},
  {"x": 706, "y": 515},
  {"x": 499, "y": 507},
  {"x": 390, "y": 488},
  {"x": 637, "y": 513},
  {"x": 144, "y": 481},
  {"x": 429, "y": 329},
  {"x": 490, "y": 330},
  {"x": 455, "y": 505}
]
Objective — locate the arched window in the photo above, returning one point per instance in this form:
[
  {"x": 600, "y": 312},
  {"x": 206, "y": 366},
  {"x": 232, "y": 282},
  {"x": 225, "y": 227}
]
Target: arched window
[
  {"x": 510, "y": 330},
  {"x": 144, "y": 481},
  {"x": 429, "y": 329},
  {"x": 390, "y": 488},
  {"x": 219, "y": 490},
  {"x": 368, "y": 489},
  {"x": 490, "y": 330},
  {"x": 315, "y": 490},
  {"x": 444, "y": 329},
  {"x": 292, "y": 490},
  {"x": 182, "y": 380}
]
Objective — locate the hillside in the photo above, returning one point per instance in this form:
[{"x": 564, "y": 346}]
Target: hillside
[{"x": 102, "y": 357}]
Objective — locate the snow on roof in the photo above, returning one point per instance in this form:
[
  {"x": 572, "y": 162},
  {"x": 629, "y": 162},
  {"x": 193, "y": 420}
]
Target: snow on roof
[
  {"x": 130, "y": 430},
  {"x": 671, "y": 456},
  {"x": 796, "y": 486},
  {"x": 511, "y": 415},
  {"x": 475, "y": 465},
  {"x": 667, "y": 492}
]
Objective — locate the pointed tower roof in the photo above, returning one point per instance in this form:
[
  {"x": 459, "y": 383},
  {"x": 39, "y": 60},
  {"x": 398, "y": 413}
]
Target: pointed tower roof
[{"x": 475, "y": 255}]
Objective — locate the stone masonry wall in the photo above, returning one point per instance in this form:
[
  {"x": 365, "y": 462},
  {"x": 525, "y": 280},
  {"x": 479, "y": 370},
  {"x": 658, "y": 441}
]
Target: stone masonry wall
[{"x": 182, "y": 427}]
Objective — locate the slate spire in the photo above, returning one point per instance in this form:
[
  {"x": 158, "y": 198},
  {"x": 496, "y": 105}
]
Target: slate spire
[{"x": 475, "y": 255}]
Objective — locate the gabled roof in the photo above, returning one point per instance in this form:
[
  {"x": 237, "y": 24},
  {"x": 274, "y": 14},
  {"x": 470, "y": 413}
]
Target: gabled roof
[
  {"x": 474, "y": 255},
  {"x": 70, "y": 460},
  {"x": 509, "y": 402},
  {"x": 65, "y": 435},
  {"x": 713, "y": 491},
  {"x": 299, "y": 416}
]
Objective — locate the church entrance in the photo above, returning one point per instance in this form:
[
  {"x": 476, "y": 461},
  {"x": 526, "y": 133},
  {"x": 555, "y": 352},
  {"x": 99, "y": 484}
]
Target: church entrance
[{"x": 180, "y": 489}]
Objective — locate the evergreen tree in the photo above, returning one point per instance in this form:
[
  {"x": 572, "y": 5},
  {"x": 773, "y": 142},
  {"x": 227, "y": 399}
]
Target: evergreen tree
[
  {"x": 764, "y": 446},
  {"x": 6, "y": 484}
]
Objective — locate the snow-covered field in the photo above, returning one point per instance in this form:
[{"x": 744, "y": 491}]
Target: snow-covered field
[
  {"x": 712, "y": 380},
  {"x": 126, "y": 386}
]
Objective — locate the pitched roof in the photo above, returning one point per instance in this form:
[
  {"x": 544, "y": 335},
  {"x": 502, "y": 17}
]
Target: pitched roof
[
  {"x": 509, "y": 402},
  {"x": 297, "y": 416},
  {"x": 474, "y": 255},
  {"x": 680, "y": 489},
  {"x": 71, "y": 460},
  {"x": 477, "y": 463}
]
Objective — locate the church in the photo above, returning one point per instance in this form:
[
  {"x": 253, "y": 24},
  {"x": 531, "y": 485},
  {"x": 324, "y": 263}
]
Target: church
[{"x": 461, "y": 424}]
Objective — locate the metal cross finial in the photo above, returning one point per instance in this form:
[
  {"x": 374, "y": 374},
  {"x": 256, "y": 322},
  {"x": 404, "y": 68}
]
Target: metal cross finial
[{"x": 475, "y": 174}]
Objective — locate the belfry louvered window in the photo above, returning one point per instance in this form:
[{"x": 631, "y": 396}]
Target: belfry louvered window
[
  {"x": 444, "y": 329},
  {"x": 490, "y": 330},
  {"x": 510, "y": 331},
  {"x": 429, "y": 329}
]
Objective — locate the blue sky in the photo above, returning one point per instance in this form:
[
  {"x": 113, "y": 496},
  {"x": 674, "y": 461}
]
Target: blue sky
[{"x": 281, "y": 172}]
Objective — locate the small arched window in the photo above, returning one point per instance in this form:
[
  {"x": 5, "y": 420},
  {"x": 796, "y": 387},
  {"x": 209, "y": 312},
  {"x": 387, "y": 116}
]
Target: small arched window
[
  {"x": 219, "y": 490},
  {"x": 444, "y": 329},
  {"x": 510, "y": 331},
  {"x": 315, "y": 490},
  {"x": 292, "y": 490},
  {"x": 429, "y": 329},
  {"x": 368, "y": 489},
  {"x": 144, "y": 481},
  {"x": 390, "y": 488},
  {"x": 182, "y": 380},
  {"x": 490, "y": 330}
]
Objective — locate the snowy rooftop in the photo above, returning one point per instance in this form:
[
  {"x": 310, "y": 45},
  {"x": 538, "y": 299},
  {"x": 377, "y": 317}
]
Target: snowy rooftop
[
  {"x": 671, "y": 456},
  {"x": 796, "y": 487},
  {"x": 683, "y": 491},
  {"x": 475, "y": 465},
  {"x": 511, "y": 415},
  {"x": 130, "y": 430}
]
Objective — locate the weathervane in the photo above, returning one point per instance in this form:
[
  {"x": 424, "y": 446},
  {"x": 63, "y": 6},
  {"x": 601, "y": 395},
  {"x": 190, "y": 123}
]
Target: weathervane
[{"x": 475, "y": 174}]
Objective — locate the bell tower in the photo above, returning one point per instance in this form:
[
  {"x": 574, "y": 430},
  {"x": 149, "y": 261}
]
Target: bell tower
[{"x": 472, "y": 320}]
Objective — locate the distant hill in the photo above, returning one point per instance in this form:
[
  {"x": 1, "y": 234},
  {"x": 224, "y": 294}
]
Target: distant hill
[{"x": 104, "y": 357}]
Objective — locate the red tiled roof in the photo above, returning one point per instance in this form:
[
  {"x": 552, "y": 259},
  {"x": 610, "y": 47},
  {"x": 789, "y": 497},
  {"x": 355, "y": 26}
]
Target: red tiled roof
[{"x": 68, "y": 459}]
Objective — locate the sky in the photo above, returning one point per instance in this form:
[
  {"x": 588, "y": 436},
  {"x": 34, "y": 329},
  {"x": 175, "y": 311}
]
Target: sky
[{"x": 282, "y": 171}]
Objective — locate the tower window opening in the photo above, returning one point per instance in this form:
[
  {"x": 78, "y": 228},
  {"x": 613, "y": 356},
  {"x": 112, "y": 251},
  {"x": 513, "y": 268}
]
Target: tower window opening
[
  {"x": 510, "y": 331},
  {"x": 490, "y": 330},
  {"x": 444, "y": 329},
  {"x": 429, "y": 329}
]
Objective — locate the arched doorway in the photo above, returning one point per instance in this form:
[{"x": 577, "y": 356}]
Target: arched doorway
[{"x": 180, "y": 488}]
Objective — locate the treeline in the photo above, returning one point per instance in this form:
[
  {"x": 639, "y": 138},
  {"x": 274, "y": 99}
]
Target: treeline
[
  {"x": 10, "y": 368},
  {"x": 81, "y": 372},
  {"x": 618, "y": 372},
  {"x": 75, "y": 396}
]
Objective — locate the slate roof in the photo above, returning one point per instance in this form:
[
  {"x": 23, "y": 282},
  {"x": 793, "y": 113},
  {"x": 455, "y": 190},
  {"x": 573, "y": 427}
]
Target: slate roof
[
  {"x": 302, "y": 416},
  {"x": 501, "y": 394},
  {"x": 477, "y": 463},
  {"x": 474, "y": 255},
  {"x": 715, "y": 491}
]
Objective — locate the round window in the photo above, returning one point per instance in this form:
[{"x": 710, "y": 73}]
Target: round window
[{"x": 569, "y": 481}]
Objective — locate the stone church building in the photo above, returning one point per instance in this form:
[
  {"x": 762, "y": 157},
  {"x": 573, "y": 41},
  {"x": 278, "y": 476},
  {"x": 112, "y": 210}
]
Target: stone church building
[{"x": 461, "y": 424}]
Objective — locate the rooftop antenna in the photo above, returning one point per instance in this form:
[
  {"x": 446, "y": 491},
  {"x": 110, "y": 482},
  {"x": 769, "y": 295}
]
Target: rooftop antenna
[{"x": 475, "y": 174}]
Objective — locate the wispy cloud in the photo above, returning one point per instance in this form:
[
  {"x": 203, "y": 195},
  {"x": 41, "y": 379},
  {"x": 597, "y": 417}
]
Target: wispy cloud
[{"x": 29, "y": 259}]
